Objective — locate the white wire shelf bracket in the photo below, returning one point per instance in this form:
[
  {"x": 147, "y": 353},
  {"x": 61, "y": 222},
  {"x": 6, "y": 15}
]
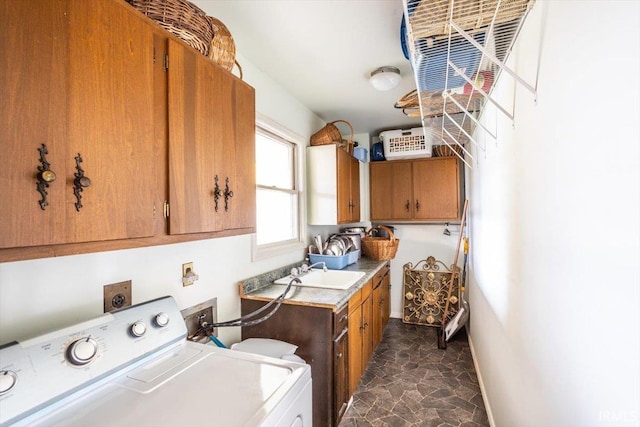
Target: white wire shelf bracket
[
  {"x": 487, "y": 54},
  {"x": 459, "y": 47},
  {"x": 476, "y": 121}
]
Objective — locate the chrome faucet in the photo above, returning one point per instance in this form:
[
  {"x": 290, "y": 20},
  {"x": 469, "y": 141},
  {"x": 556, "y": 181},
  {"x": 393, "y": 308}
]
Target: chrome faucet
[
  {"x": 324, "y": 266},
  {"x": 305, "y": 268}
]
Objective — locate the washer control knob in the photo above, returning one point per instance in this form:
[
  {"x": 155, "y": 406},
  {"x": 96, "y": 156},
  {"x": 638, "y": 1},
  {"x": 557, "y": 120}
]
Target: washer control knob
[
  {"x": 82, "y": 351},
  {"x": 7, "y": 380},
  {"x": 138, "y": 329},
  {"x": 162, "y": 319}
]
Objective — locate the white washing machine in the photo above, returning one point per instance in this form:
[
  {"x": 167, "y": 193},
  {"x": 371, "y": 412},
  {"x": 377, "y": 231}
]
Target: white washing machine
[{"x": 134, "y": 367}]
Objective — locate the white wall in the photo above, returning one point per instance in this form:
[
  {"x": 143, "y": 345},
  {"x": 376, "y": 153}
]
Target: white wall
[
  {"x": 554, "y": 227},
  {"x": 41, "y": 295}
]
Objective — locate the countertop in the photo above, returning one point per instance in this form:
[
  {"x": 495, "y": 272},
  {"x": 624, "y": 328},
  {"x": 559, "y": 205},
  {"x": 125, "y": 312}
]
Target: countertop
[{"x": 262, "y": 288}]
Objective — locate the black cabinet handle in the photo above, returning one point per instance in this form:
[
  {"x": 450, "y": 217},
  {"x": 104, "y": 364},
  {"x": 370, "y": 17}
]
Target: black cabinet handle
[
  {"x": 80, "y": 182},
  {"x": 45, "y": 176},
  {"x": 417, "y": 205},
  {"x": 407, "y": 206},
  {"x": 227, "y": 194},
  {"x": 217, "y": 192}
]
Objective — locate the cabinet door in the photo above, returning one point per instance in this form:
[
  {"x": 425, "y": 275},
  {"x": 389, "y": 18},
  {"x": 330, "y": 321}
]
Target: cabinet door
[
  {"x": 436, "y": 186},
  {"x": 377, "y": 315},
  {"x": 82, "y": 84},
  {"x": 340, "y": 375},
  {"x": 386, "y": 296},
  {"x": 355, "y": 188},
  {"x": 343, "y": 179},
  {"x": 355, "y": 347},
  {"x": 391, "y": 190},
  {"x": 192, "y": 129},
  {"x": 110, "y": 122},
  {"x": 32, "y": 112},
  {"x": 211, "y": 146},
  {"x": 239, "y": 142},
  {"x": 367, "y": 330}
]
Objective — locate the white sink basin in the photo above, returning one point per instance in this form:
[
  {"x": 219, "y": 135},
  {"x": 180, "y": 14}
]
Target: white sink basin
[{"x": 330, "y": 279}]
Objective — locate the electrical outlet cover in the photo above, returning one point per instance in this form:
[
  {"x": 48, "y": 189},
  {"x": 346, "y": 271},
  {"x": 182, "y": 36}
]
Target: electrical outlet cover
[{"x": 117, "y": 295}]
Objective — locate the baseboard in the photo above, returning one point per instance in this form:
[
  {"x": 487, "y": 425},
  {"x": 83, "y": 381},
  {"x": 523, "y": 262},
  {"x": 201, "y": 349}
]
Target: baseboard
[{"x": 487, "y": 406}]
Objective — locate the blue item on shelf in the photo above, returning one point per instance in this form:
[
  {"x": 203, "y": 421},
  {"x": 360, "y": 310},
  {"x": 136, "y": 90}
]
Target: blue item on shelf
[
  {"x": 360, "y": 153},
  {"x": 403, "y": 38},
  {"x": 377, "y": 152},
  {"x": 432, "y": 62}
]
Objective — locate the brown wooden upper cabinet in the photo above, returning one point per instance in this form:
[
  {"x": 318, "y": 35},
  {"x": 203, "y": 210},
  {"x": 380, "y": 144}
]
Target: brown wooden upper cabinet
[
  {"x": 211, "y": 146},
  {"x": 76, "y": 77},
  {"x": 418, "y": 190},
  {"x": 91, "y": 86},
  {"x": 333, "y": 186}
]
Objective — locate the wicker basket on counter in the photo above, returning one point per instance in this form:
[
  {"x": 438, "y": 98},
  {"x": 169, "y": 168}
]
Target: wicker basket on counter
[
  {"x": 380, "y": 248},
  {"x": 182, "y": 19}
]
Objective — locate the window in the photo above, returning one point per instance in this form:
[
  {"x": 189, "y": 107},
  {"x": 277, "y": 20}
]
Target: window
[{"x": 278, "y": 204}]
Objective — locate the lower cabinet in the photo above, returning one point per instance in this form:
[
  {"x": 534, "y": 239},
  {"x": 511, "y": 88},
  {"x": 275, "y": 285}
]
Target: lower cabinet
[
  {"x": 312, "y": 329},
  {"x": 381, "y": 303},
  {"x": 369, "y": 311},
  {"x": 360, "y": 334},
  {"x": 337, "y": 344},
  {"x": 341, "y": 355}
]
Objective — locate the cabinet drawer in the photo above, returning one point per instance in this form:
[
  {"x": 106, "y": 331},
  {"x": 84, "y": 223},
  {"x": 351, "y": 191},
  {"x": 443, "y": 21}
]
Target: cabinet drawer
[
  {"x": 380, "y": 275},
  {"x": 366, "y": 289},
  {"x": 355, "y": 301},
  {"x": 340, "y": 320}
]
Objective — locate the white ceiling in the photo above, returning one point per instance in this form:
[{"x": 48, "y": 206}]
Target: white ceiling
[{"x": 323, "y": 51}]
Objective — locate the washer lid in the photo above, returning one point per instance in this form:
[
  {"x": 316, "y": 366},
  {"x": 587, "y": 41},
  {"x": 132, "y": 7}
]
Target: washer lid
[{"x": 196, "y": 385}]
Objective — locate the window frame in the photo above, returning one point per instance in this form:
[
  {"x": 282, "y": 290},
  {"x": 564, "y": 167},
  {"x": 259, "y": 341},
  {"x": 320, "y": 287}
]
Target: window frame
[{"x": 270, "y": 250}]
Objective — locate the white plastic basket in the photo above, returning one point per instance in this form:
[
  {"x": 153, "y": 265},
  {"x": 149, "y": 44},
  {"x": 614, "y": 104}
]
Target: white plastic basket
[{"x": 407, "y": 144}]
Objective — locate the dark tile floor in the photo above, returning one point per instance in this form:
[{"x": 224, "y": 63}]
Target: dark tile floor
[{"x": 410, "y": 382}]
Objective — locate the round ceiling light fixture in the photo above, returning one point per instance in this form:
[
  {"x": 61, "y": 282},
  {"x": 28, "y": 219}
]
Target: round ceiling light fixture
[{"x": 385, "y": 78}]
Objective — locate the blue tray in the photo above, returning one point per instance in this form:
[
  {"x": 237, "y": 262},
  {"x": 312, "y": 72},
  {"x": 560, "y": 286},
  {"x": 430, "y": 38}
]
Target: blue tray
[{"x": 336, "y": 262}]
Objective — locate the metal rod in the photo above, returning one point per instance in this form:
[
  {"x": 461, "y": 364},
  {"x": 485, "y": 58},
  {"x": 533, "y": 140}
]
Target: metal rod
[
  {"x": 465, "y": 132},
  {"x": 489, "y": 55},
  {"x": 446, "y": 95},
  {"x": 454, "y": 151},
  {"x": 412, "y": 54},
  {"x": 480, "y": 91}
]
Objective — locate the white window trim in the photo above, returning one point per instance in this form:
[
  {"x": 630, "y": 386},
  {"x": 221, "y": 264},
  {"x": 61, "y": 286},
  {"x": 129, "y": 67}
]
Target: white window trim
[{"x": 280, "y": 248}]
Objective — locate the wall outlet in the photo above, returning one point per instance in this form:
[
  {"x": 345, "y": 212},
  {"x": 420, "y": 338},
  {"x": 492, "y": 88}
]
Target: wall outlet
[
  {"x": 194, "y": 317},
  {"x": 187, "y": 267},
  {"x": 117, "y": 295}
]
